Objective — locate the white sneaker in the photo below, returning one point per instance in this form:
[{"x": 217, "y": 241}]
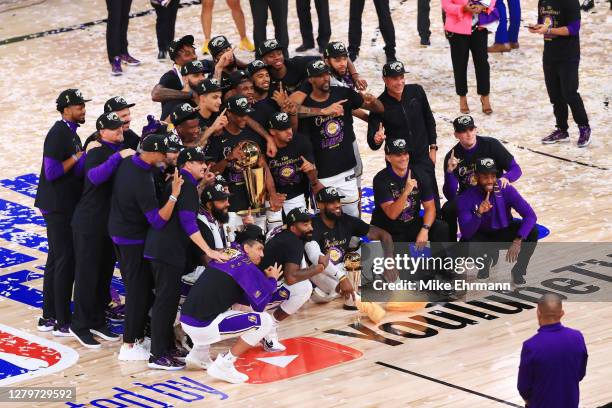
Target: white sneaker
[
  {"x": 319, "y": 296},
  {"x": 223, "y": 369},
  {"x": 145, "y": 343},
  {"x": 271, "y": 342},
  {"x": 201, "y": 360},
  {"x": 135, "y": 353}
]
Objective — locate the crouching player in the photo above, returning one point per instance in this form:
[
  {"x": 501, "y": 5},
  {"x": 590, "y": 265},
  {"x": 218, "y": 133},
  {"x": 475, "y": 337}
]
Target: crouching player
[{"x": 205, "y": 316}]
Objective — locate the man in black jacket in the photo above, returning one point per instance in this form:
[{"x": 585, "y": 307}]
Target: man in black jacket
[
  {"x": 407, "y": 116},
  {"x": 59, "y": 190}
]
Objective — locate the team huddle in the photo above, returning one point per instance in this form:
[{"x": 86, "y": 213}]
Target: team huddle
[{"x": 240, "y": 203}]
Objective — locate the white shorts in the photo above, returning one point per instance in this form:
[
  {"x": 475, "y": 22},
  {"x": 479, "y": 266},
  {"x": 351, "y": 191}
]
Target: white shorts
[
  {"x": 346, "y": 184},
  {"x": 254, "y": 325}
]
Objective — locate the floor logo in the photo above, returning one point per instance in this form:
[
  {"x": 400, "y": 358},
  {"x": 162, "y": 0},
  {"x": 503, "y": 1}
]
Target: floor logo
[
  {"x": 24, "y": 356},
  {"x": 304, "y": 355}
]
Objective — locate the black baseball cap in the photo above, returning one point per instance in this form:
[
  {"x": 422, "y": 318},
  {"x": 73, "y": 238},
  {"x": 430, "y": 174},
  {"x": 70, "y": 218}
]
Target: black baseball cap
[
  {"x": 250, "y": 232},
  {"x": 116, "y": 103},
  {"x": 279, "y": 121},
  {"x": 218, "y": 44},
  {"x": 335, "y": 49},
  {"x": 298, "y": 215},
  {"x": 208, "y": 85},
  {"x": 182, "y": 113},
  {"x": 238, "y": 105},
  {"x": 109, "y": 120},
  {"x": 191, "y": 154},
  {"x": 396, "y": 146},
  {"x": 463, "y": 123},
  {"x": 328, "y": 194},
  {"x": 393, "y": 69},
  {"x": 70, "y": 97},
  {"x": 175, "y": 144},
  {"x": 267, "y": 46},
  {"x": 155, "y": 143},
  {"x": 192, "y": 67},
  {"x": 255, "y": 66},
  {"x": 215, "y": 192},
  {"x": 316, "y": 68},
  {"x": 175, "y": 46},
  {"x": 236, "y": 77},
  {"x": 486, "y": 165}
]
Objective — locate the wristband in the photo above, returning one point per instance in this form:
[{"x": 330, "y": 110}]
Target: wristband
[
  {"x": 433, "y": 147},
  {"x": 172, "y": 198},
  {"x": 343, "y": 277},
  {"x": 426, "y": 226}
]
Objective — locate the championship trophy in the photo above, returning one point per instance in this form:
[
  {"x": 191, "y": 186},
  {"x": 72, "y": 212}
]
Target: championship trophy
[
  {"x": 352, "y": 265},
  {"x": 254, "y": 177}
]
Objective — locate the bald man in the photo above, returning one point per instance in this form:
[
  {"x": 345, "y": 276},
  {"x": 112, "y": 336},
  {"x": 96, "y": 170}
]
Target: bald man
[{"x": 553, "y": 362}]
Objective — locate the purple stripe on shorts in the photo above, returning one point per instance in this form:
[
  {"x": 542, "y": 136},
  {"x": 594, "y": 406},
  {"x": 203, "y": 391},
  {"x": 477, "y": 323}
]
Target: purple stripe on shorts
[
  {"x": 239, "y": 323},
  {"x": 193, "y": 322},
  {"x": 127, "y": 241}
]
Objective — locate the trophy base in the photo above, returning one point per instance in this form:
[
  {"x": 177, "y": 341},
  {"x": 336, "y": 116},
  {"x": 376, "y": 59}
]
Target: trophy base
[{"x": 347, "y": 307}]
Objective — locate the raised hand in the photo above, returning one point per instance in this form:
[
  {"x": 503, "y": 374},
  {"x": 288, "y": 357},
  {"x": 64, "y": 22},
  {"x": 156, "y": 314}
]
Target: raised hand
[
  {"x": 306, "y": 165},
  {"x": 274, "y": 271},
  {"x": 411, "y": 183},
  {"x": 453, "y": 162},
  {"x": 177, "y": 182},
  {"x": 485, "y": 206},
  {"x": 335, "y": 109},
  {"x": 380, "y": 136}
]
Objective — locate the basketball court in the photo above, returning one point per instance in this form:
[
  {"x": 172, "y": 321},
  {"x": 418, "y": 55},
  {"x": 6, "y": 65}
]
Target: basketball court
[{"x": 457, "y": 355}]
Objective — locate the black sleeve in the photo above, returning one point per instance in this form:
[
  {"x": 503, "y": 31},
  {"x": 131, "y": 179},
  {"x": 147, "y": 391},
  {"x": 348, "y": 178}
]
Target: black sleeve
[
  {"x": 357, "y": 226},
  {"x": 374, "y": 121},
  {"x": 305, "y": 87},
  {"x": 501, "y": 155},
  {"x": 355, "y": 100},
  {"x": 206, "y": 234},
  {"x": 306, "y": 149},
  {"x": 572, "y": 10},
  {"x": 294, "y": 252},
  {"x": 168, "y": 79},
  {"x": 382, "y": 192},
  {"x": 446, "y": 159},
  {"x": 428, "y": 117},
  {"x": 214, "y": 148},
  {"x": 188, "y": 199},
  {"x": 95, "y": 157},
  {"x": 145, "y": 195},
  {"x": 57, "y": 147}
]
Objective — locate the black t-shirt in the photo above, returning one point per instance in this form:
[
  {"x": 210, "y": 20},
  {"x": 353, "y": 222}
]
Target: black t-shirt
[
  {"x": 63, "y": 193},
  {"x": 485, "y": 147},
  {"x": 130, "y": 140},
  {"x": 263, "y": 110},
  {"x": 213, "y": 293},
  {"x": 207, "y": 122},
  {"x": 133, "y": 197},
  {"x": 332, "y": 137},
  {"x": 161, "y": 175},
  {"x": 170, "y": 80},
  {"x": 296, "y": 73},
  {"x": 91, "y": 213},
  {"x": 560, "y": 13},
  {"x": 170, "y": 243},
  {"x": 221, "y": 146},
  {"x": 285, "y": 166},
  {"x": 335, "y": 241},
  {"x": 285, "y": 247},
  {"x": 388, "y": 186}
]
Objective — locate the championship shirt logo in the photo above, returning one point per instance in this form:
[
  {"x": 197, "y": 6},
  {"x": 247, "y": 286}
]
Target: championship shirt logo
[
  {"x": 287, "y": 172},
  {"x": 332, "y": 128},
  {"x": 231, "y": 253},
  {"x": 252, "y": 318},
  {"x": 284, "y": 293},
  {"x": 335, "y": 254}
]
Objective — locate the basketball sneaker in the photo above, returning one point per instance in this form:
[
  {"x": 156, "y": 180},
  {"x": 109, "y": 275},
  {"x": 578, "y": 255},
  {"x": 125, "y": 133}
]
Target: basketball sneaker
[
  {"x": 129, "y": 60},
  {"x": 271, "y": 343},
  {"x": 105, "y": 333},
  {"x": 585, "y": 136},
  {"x": 165, "y": 363},
  {"x": 556, "y": 136},
  {"x": 45, "y": 325},
  {"x": 246, "y": 45},
  {"x": 116, "y": 67},
  {"x": 134, "y": 352},
  {"x": 61, "y": 331},
  {"x": 200, "y": 357},
  {"x": 223, "y": 369},
  {"x": 86, "y": 339}
]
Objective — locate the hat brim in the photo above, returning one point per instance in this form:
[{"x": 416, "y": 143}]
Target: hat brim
[
  {"x": 331, "y": 199},
  {"x": 303, "y": 218},
  {"x": 395, "y": 74},
  {"x": 244, "y": 112},
  {"x": 464, "y": 129}
]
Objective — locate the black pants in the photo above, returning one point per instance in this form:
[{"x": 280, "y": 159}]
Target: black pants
[
  {"x": 423, "y": 19},
  {"x": 504, "y": 238},
  {"x": 138, "y": 281},
  {"x": 437, "y": 233},
  {"x": 167, "y": 295},
  {"x": 461, "y": 45},
  {"x": 117, "y": 27},
  {"x": 425, "y": 164},
  {"x": 385, "y": 24},
  {"x": 449, "y": 215},
  {"x": 279, "y": 10},
  {"x": 95, "y": 263},
  {"x": 303, "y": 12},
  {"x": 164, "y": 25},
  {"x": 58, "y": 279},
  {"x": 562, "y": 85}
]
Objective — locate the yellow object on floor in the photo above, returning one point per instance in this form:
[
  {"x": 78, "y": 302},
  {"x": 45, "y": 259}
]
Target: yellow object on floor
[{"x": 246, "y": 45}]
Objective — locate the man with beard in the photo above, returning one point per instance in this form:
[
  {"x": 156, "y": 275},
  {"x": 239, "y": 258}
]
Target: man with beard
[
  {"x": 59, "y": 190},
  {"x": 120, "y": 106},
  {"x": 485, "y": 216},
  {"x": 239, "y": 83},
  {"x": 407, "y": 116},
  {"x": 186, "y": 124},
  {"x": 333, "y": 136},
  {"x": 167, "y": 248},
  {"x": 460, "y": 163},
  {"x": 170, "y": 90},
  {"x": 223, "y": 57},
  {"x": 225, "y": 152},
  {"x": 331, "y": 237},
  {"x": 286, "y": 249},
  {"x": 292, "y": 167},
  {"x": 192, "y": 73},
  {"x": 93, "y": 247}
]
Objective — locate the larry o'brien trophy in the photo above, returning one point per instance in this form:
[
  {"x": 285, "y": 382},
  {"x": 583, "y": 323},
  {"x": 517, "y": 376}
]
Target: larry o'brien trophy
[
  {"x": 352, "y": 265},
  {"x": 254, "y": 176}
]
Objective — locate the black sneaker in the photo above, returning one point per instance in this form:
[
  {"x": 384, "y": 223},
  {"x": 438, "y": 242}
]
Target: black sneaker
[
  {"x": 304, "y": 47},
  {"x": 178, "y": 353},
  {"x": 353, "y": 56},
  {"x": 105, "y": 333},
  {"x": 61, "y": 330},
  {"x": 165, "y": 363},
  {"x": 425, "y": 42},
  {"x": 86, "y": 339},
  {"x": 115, "y": 314},
  {"x": 45, "y": 325},
  {"x": 518, "y": 279}
]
